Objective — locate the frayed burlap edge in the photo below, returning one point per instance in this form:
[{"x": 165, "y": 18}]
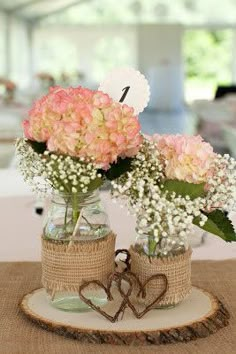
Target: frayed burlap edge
[
  {"x": 176, "y": 268},
  {"x": 64, "y": 267}
]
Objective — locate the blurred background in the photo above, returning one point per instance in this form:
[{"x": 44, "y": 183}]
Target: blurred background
[{"x": 185, "y": 48}]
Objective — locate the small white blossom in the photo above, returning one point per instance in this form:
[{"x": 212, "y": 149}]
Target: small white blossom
[{"x": 60, "y": 173}]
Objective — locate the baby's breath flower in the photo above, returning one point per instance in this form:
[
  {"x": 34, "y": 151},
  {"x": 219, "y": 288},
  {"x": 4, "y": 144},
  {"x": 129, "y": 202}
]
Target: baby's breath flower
[{"x": 48, "y": 171}]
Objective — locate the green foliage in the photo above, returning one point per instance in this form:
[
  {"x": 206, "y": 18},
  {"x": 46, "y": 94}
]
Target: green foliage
[
  {"x": 117, "y": 169},
  {"x": 38, "y": 147},
  {"x": 218, "y": 224},
  {"x": 96, "y": 183},
  {"x": 208, "y": 55},
  {"x": 184, "y": 188}
]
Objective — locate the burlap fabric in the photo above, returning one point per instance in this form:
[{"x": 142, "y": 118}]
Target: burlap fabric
[
  {"x": 177, "y": 270},
  {"x": 19, "y": 336},
  {"x": 66, "y": 267}
]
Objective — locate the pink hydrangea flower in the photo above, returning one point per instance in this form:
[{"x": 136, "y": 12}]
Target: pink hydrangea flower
[
  {"x": 186, "y": 158},
  {"x": 84, "y": 123}
]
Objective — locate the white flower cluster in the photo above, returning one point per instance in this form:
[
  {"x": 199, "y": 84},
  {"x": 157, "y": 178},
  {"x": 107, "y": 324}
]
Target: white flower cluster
[
  {"x": 146, "y": 170},
  {"x": 164, "y": 219},
  {"x": 63, "y": 174},
  {"x": 221, "y": 187},
  {"x": 167, "y": 220}
]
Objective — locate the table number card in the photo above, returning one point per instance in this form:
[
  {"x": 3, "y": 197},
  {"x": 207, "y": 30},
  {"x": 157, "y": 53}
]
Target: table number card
[{"x": 129, "y": 86}]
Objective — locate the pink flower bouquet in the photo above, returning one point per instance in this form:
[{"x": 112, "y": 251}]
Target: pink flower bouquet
[
  {"x": 186, "y": 158},
  {"x": 86, "y": 126},
  {"x": 75, "y": 140},
  {"x": 176, "y": 181},
  {"x": 83, "y": 123}
]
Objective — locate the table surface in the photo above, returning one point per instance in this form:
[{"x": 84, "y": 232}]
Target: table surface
[{"x": 19, "y": 336}]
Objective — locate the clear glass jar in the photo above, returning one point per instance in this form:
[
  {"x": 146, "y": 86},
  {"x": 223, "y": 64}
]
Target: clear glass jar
[
  {"x": 75, "y": 218},
  {"x": 81, "y": 215},
  {"x": 149, "y": 245},
  {"x": 170, "y": 256},
  {"x": 197, "y": 237}
]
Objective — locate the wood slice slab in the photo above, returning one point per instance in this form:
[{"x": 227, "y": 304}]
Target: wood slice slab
[{"x": 200, "y": 315}]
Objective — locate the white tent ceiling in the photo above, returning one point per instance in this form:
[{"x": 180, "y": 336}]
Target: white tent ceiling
[
  {"x": 30, "y": 9},
  {"x": 124, "y": 11}
]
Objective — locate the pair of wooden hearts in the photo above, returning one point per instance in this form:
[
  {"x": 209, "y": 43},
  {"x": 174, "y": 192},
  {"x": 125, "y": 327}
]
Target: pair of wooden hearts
[{"x": 132, "y": 281}]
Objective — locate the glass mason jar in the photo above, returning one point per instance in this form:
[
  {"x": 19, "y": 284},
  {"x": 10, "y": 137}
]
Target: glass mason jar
[
  {"x": 71, "y": 219},
  {"x": 169, "y": 256},
  {"x": 197, "y": 237},
  {"x": 155, "y": 247}
]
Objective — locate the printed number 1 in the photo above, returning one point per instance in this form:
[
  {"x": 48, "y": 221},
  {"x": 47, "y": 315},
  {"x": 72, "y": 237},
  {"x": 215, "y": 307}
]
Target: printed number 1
[{"x": 126, "y": 90}]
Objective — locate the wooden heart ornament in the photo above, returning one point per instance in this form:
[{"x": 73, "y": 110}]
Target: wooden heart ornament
[
  {"x": 107, "y": 289},
  {"x": 143, "y": 292},
  {"x": 126, "y": 283}
]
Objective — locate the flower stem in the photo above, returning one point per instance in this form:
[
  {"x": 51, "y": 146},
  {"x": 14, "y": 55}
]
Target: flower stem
[
  {"x": 75, "y": 210},
  {"x": 75, "y": 218},
  {"x": 65, "y": 216},
  {"x": 152, "y": 244}
]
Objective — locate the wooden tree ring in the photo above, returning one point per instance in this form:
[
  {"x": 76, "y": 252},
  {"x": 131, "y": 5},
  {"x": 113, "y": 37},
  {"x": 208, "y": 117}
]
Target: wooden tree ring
[{"x": 200, "y": 315}]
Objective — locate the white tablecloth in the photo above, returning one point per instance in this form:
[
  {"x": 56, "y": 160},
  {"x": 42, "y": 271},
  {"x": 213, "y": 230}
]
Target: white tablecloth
[{"x": 21, "y": 227}]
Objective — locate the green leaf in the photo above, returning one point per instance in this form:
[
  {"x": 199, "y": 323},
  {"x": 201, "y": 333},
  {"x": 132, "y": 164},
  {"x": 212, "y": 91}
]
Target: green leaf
[
  {"x": 96, "y": 183},
  {"x": 119, "y": 168},
  {"x": 184, "y": 188},
  {"x": 218, "y": 224},
  {"x": 38, "y": 147}
]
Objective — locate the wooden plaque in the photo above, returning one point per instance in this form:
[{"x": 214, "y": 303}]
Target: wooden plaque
[{"x": 200, "y": 315}]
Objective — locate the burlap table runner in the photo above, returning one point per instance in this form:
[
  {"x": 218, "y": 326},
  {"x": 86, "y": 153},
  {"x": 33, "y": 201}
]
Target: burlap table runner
[{"x": 19, "y": 336}]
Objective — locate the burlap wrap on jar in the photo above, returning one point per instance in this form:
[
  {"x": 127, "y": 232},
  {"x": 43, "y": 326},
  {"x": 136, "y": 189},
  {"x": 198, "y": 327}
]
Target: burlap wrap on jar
[
  {"x": 64, "y": 267},
  {"x": 177, "y": 270}
]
